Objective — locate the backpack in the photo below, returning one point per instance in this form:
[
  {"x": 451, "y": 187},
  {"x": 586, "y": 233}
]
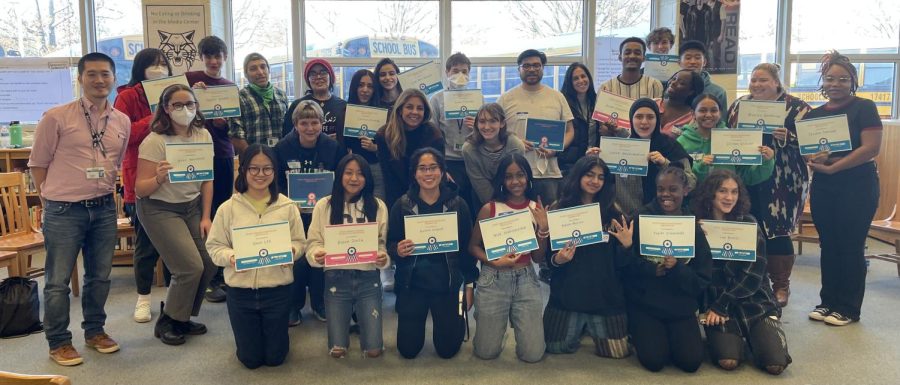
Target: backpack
[{"x": 19, "y": 307}]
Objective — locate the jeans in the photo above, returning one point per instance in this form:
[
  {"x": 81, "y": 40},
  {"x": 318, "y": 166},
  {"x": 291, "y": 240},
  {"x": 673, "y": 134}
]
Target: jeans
[
  {"x": 68, "y": 229},
  {"x": 765, "y": 338},
  {"x": 259, "y": 322},
  {"x": 349, "y": 290},
  {"x": 506, "y": 297},
  {"x": 448, "y": 325},
  {"x": 145, "y": 255},
  {"x": 563, "y": 330}
]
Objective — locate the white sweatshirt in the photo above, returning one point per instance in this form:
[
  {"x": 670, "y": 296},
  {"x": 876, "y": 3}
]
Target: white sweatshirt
[{"x": 321, "y": 217}]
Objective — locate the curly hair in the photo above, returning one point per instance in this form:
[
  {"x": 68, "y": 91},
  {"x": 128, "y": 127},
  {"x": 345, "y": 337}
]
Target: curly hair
[
  {"x": 834, "y": 58},
  {"x": 706, "y": 194}
]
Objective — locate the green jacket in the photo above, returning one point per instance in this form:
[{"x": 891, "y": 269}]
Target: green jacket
[{"x": 697, "y": 146}]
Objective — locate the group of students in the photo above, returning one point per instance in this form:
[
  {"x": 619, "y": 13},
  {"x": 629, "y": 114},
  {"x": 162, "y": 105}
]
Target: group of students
[{"x": 419, "y": 163}]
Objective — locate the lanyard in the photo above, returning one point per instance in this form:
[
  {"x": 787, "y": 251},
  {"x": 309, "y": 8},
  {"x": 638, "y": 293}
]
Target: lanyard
[{"x": 96, "y": 137}]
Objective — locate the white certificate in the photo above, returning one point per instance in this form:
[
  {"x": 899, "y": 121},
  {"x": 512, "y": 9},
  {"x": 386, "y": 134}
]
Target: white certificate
[
  {"x": 262, "y": 246},
  {"x": 667, "y": 235},
  {"x": 761, "y": 114},
  {"x": 425, "y": 78},
  {"x": 351, "y": 244},
  {"x": 432, "y": 233},
  {"x": 191, "y": 162},
  {"x": 731, "y": 241},
  {"x": 154, "y": 88},
  {"x": 461, "y": 103},
  {"x": 511, "y": 233},
  {"x": 612, "y": 108},
  {"x": 661, "y": 67},
  {"x": 830, "y": 133},
  {"x": 738, "y": 146},
  {"x": 363, "y": 121},
  {"x": 582, "y": 225},
  {"x": 219, "y": 101},
  {"x": 625, "y": 156}
]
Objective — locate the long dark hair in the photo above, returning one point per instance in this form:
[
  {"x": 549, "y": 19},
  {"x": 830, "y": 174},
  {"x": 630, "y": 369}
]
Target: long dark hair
[
  {"x": 379, "y": 91},
  {"x": 568, "y": 90},
  {"x": 353, "y": 96},
  {"x": 570, "y": 190},
  {"x": 370, "y": 205},
  {"x": 414, "y": 163},
  {"x": 146, "y": 58},
  {"x": 162, "y": 123},
  {"x": 500, "y": 193},
  {"x": 706, "y": 193},
  {"x": 241, "y": 185}
]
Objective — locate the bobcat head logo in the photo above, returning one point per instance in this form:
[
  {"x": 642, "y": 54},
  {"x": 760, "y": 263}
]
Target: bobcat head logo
[{"x": 179, "y": 49}]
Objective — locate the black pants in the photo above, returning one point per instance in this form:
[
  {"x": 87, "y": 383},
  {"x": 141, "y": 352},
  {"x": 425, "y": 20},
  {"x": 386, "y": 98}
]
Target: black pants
[
  {"x": 306, "y": 276},
  {"x": 842, "y": 207},
  {"x": 660, "y": 341},
  {"x": 457, "y": 168},
  {"x": 223, "y": 188},
  {"x": 259, "y": 321},
  {"x": 145, "y": 255},
  {"x": 448, "y": 326},
  {"x": 764, "y": 335}
]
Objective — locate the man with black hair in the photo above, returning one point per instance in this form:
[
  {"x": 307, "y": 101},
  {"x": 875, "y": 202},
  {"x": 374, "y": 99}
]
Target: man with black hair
[
  {"x": 692, "y": 56},
  {"x": 262, "y": 107},
  {"x": 632, "y": 83}
]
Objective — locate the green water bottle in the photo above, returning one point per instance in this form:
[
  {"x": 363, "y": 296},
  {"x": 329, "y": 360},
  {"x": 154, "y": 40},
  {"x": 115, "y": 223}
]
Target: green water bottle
[{"x": 15, "y": 134}]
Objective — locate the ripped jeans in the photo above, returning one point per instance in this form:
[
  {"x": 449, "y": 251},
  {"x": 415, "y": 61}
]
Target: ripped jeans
[{"x": 346, "y": 290}]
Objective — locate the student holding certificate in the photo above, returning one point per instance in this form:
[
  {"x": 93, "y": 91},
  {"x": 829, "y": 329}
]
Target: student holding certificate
[
  {"x": 844, "y": 193},
  {"x": 361, "y": 93},
  {"x": 258, "y": 299},
  {"x": 739, "y": 302},
  {"x": 176, "y": 216},
  {"x": 778, "y": 201},
  {"x": 320, "y": 79},
  {"x": 353, "y": 287},
  {"x": 508, "y": 287},
  {"x": 596, "y": 269},
  {"x": 662, "y": 297},
  {"x": 578, "y": 88},
  {"x": 484, "y": 149},
  {"x": 387, "y": 88},
  {"x": 696, "y": 141},
  {"x": 430, "y": 282},
  {"x": 675, "y": 106}
]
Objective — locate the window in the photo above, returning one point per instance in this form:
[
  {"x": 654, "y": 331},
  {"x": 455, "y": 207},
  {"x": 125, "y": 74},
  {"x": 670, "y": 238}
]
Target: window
[
  {"x": 40, "y": 28},
  {"x": 757, "y": 39},
  {"x": 495, "y": 80},
  {"x": 616, "y": 21},
  {"x": 506, "y": 28},
  {"x": 861, "y": 26},
  {"x": 876, "y": 83},
  {"x": 120, "y": 34},
  {"x": 267, "y": 31}
]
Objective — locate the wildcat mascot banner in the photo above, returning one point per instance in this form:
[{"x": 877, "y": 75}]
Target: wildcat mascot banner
[{"x": 176, "y": 30}]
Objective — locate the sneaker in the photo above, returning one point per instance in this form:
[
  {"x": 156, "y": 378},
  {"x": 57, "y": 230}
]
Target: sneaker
[
  {"x": 819, "y": 313},
  {"x": 66, "y": 355},
  {"x": 102, "y": 343},
  {"x": 294, "y": 318},
  {"x": 142, "y": 312},
  {"x": 837, "y": 319},
  {"x": 320, "y": 314},
  {"x": 215, "y": 294}
]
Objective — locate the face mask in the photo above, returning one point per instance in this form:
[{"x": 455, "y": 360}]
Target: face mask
[
  {"x": 183, "y": 117},
  {"x": 156, "y": 72},
  {"x": 458, "y": 80}
]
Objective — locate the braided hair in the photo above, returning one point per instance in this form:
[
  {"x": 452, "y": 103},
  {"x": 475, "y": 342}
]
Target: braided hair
[{"x": 834, "y": 58}]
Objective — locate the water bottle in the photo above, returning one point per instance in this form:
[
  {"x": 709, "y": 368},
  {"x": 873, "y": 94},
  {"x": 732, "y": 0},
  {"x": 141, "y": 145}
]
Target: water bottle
[
  {"x": 15, "y": 134},
  {"x": 4, "y": 137}
]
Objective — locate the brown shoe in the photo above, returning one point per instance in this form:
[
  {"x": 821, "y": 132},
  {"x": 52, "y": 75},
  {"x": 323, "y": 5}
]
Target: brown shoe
[
  {"x": 102, "y": 343},
  {"x": 66, "y": 355}
]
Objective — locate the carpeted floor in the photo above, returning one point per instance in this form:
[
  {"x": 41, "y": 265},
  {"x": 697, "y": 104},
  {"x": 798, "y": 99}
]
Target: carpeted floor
[{"x": 862, "y": 353}]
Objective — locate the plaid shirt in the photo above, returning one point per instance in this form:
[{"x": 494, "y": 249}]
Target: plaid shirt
[{"x": 258, "y": 123}]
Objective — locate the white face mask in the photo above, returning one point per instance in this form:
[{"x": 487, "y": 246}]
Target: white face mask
[
  {"x": 458, "y": 80},
  {"x": 156, "y": 72},
  {"x": 183, "y": 117}
]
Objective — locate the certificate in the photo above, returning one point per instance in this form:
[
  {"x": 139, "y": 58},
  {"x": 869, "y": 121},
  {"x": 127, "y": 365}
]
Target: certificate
[
  {"x": 765, "y": 114},
  {"x": 580, "y": 224},
  {"x": 612, "y": 108},
  {"x": 262, "y": 246},
  {"x": 731, "y": 241},
  {"x": 546, "y": 134},
  {"x": 432, "y": 233},
  {"x": 511, "y": 233},
  {"x": 461, "y": 103},
  {"x": 307, "y": 188},
  {"x": 191, "y": 162},
  {"x": 363, "y": 121},
  {"x": 351, "y": 244},
  {"x": 425, "y": 78},
  {"x": 667, "y": 235},
  {"x": 830, "y": 133},
  {"x": 154, "y": 88},
  {"x": 219, "y": 101},
  {"x": 625, "y": 156},
  {"x": 661, "y": 67},
  {"x": 737, "y": 146}
]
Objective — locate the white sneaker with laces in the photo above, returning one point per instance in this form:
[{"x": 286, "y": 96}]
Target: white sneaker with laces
[
  {"x": 142, "y": 312},
  {"x": 837, "y": 319},
  {"x": 819, "y": 314}
]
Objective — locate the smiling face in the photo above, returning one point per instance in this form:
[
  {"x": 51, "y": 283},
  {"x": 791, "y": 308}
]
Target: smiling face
[
  {"x": 97, "y": 79},
  {"x": 352, "y": 180},
  {"x": 592, "y": 181},
  {"x": 693, "y": 60},
  {"x": 726, "y": 197},
  {"x": 428, "y": 173},
  {"x": 836, "y": 83},
  {"x": 366, "y": 89},
  {"x": 412, "y": 112},
  {"x": 531, "y": 71},
  {"x": 387, "y": 76},
  {"x": 662, "y": 47},
  {"x": 707, "y": 113},
  {"x": 319, "y": 79},
  {"x": 631, "y": 56},
  {"x": 680, "y": 85},
  {"x": 489, "y": 126},
  {"x": 763, "y": 86},
  {"x": 515, "y": 180},
  {"x": 264, "y": 169},
  {"x": 309, "y": 129},
  {"x": 258, "y": 72},
  {"x": 670, "y": 193},
  {"x": 644, "y": 120},
  {"x": 580, "y": 81}
]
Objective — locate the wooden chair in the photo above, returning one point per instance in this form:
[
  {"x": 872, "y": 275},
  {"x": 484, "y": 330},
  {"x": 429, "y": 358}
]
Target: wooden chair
[
  {"x": 16, "y": 233},
  {"x": 30, "y": 379},
  {"x": 10, "y": 260}
]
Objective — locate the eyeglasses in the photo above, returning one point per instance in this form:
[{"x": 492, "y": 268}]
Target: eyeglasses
[
  {"x": 428, "y": 169},
  {"x": 180, "y": 106},
  {"x": 317, "y": 74},
  {"x": 266, "y": 171},
  {"x": 531, "y": 67},
  {"x": 832, "y": 79}
]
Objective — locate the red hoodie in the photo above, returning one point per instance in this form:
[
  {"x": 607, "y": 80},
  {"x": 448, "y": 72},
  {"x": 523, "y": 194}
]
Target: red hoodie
[{"x": 132, "y": 101}]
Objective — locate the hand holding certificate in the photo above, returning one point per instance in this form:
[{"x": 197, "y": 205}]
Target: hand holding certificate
[
  {"x": 761, "y": 114},
  {"x": 508, "y": 234},
  {"x": 262, "y": 246},
  {"x": 661, "y": 67},
  {"x": 612, "y": 108},
  {"x": 739, "y": 146},
  {"x": 667, "y": 236},
  {"x": 351, "y": 244},
  {"x": 363, "y": 121},
  {"x": 191, "y": 162},
  {"x": 219, "y": 101},
  {"x": 432, "y": 233},
  {"x": 829, "y": 134},
  {"x": 461, "y": 103},
  {"x": 581, "y": 225},
  {"x": 425, "y": 78},
  {"x": 731, "y": 241},
  {"x": 307, "y": 188},
  {"x": 546, "y": 134},
  {"x": 154, "y": 88},
  {"x": 625, "y": 156}
]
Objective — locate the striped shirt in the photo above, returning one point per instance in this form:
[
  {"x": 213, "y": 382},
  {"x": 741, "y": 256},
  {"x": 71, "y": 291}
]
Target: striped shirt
[
  {"x": 645, "y": 87},
  {"x": 258, "y": 122}
]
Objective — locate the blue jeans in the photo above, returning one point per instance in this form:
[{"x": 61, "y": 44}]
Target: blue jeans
[
  {"x": 68, "y": 229},
  {"x": 259, "y": 321},
  {"x": 346, "y": 290},
  {"x": 506, "y": 297}
]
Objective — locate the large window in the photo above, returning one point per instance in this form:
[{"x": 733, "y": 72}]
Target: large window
[
  {"x": 265, "y": 30},
  {"x": 40, "y": 28},
  {"x": 616, "y": 21},
  {"x": 860, "y": 26},
  {"x": 120, "y": 34},
  {"x": 876, "y": 82},
  {"x": 756, "y": 39},
  {"x": 506, "y": 28}
]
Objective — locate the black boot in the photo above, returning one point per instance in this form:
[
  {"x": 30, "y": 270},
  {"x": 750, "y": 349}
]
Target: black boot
[
  {"x": 191, "y": 328},
  {"x": 166, "y": 329}
]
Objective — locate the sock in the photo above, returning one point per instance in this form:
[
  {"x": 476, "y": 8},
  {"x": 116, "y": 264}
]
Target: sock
[{"x": 145, "y": 298}]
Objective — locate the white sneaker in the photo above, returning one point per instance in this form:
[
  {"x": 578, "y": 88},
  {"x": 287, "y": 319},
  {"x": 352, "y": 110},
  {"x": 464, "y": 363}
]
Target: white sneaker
[{"x": 142, "y": 312}]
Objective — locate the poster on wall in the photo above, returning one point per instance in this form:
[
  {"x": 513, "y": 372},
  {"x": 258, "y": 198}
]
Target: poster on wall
[
  {"x": 176, "y": 30},
  {"x": 716, "y": 24}
]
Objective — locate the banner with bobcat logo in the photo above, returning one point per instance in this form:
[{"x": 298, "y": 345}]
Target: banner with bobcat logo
[{"x": 176, "y": 30}]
